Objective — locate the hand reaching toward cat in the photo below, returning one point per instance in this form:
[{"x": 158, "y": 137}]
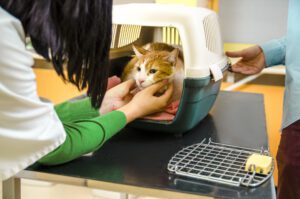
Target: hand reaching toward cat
[
  {"x": 252, "y": 62},
  {"x": 117, "y": 97},
  {"x": 146, "y": 102}
]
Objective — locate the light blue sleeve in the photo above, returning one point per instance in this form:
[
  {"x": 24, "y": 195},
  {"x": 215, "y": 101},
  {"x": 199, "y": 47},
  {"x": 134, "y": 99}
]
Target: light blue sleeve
[{"x": 274, "y": 51}]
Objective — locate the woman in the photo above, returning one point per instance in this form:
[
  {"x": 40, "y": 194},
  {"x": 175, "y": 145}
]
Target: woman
[
  {"x": 77, "y": 34},
  {"x": 285, "y": 51}
]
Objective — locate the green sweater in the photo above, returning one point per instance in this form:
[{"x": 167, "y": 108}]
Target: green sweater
[{"x": 86, "y": 130}]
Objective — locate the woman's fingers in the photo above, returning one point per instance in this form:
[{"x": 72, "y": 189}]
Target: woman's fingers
[
  {"x": 168, "y": 92},
  {"x": 240, "y": 68},
  {"x": 124, "y": 88},
  {"x": 235, "y": 54},
  {"x": 245, "y": 69},
  {"x": 246, "y": 54},
  {"x": 156, "y": 87},
  {"x": 145, "y": 102},
  {"x": 129, "y": 84}
]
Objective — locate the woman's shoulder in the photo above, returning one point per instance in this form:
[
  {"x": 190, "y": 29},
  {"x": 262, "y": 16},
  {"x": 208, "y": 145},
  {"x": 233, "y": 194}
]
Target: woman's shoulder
[
  {"x": 9, "y": 25},
  {"x": 6, "y": 17},
  {"x": 15, "y": 60}
]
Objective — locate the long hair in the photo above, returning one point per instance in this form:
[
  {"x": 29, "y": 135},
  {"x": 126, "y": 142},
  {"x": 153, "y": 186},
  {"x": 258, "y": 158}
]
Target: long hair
[{"x": 75, "y": 33}]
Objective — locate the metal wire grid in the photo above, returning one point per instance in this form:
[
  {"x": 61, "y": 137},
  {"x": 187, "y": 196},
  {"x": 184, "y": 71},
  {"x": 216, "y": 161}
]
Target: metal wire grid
[{"x": 217, "y": 163}]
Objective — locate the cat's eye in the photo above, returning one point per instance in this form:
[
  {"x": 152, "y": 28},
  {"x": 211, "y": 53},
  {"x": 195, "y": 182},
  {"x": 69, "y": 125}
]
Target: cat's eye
[
  {"x": 152, "y": 71},
  {"x": 138, "y": 68}
]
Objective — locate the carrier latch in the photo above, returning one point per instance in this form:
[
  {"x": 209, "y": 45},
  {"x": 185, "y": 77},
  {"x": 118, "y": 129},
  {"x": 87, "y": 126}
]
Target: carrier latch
[{"x": 216, "y": 72}]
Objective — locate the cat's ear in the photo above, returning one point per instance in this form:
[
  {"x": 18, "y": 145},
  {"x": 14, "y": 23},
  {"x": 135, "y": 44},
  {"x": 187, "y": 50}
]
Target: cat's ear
[
  {"x": 139, "y": 51},
  {"x": 172, "y": 57}
]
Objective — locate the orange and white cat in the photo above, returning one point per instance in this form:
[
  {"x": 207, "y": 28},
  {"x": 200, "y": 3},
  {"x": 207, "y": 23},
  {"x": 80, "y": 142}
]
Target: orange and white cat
[{"x": 155, "y": 62}]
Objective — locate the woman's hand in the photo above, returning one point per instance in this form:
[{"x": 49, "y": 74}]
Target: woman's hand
[
  {"x": 117, "y": 97},
  {"x": 146, "y": 102},
  {"x": 252, "y": 62}
]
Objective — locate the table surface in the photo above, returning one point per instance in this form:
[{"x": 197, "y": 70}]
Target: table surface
[{"x": 139, "y": 158}]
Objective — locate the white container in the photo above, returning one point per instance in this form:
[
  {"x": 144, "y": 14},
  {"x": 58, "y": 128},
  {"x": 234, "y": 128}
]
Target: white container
[{"x": 196, "y": 31}]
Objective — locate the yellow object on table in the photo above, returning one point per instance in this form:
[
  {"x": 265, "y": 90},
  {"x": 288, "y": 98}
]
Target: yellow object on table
[{"x": 263, "y": 163}]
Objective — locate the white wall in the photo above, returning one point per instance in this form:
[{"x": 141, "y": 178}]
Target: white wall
[{"x": 252, "y": 21}]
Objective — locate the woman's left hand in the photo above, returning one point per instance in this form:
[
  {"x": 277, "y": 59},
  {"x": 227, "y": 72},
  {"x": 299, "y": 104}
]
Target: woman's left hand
[{"x": 117, "y": 97}]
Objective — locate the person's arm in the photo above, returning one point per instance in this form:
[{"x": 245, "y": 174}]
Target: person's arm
[
  {"x": 87, "y": 135},
  {"x": 255, "y": 58},
  {"x": 84, "y": 136},
  {"x": 114, "y": 98},
  {"x": 274, "y": 51},
  {"x": 72, "y": 110}
]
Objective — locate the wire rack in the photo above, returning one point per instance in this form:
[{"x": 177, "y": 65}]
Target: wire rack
[{"x": 219, "y": 163}]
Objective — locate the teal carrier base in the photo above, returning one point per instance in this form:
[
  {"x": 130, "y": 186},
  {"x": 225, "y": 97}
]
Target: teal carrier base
[{"x": 197, "y": 99}]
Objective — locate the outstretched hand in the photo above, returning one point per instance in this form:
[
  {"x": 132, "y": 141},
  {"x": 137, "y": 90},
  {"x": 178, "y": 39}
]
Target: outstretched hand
[
  {"x": 147, "y": 102},
  {"x": 252, "y": 60},
  {"x": 117, "y": 96}
]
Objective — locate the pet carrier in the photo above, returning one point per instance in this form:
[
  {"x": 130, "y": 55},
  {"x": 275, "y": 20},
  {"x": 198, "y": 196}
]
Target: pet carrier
[{"x": 193, "y": 29}]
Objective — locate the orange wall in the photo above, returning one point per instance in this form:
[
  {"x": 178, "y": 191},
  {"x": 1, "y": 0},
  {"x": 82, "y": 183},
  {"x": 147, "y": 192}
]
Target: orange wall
[
  {"x": 214, "y": 5},
  {"x": 52, "y": 87}
]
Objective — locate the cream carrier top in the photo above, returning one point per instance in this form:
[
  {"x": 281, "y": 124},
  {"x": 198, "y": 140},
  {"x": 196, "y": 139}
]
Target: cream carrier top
[{"x": 198, "y": 29}]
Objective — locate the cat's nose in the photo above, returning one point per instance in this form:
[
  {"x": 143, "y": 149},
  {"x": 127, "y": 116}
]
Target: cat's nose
[{"x": 141, "y": 81}]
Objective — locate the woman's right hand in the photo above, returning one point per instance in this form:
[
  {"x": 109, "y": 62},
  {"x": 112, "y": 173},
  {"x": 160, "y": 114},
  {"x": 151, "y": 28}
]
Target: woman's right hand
[
  {"x": 252, "y": 60},
  {"x": 146, "y": 102}
]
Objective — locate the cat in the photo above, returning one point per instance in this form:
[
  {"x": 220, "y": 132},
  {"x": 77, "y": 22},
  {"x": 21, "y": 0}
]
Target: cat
[{"x": 155, "y": 62}]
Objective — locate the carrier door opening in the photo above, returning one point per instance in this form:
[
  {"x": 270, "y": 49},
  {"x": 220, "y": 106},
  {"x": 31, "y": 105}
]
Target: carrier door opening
[{"x": 149, "y": 55}]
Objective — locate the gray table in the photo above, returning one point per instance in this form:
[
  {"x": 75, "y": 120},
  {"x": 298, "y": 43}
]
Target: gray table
[{"x": 135, "y": 161}]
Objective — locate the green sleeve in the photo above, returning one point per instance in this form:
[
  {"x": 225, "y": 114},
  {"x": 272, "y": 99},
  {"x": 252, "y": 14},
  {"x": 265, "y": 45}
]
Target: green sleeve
[
  {"x": 84, "y": 136},
  {"x": 72, "y": 110}
]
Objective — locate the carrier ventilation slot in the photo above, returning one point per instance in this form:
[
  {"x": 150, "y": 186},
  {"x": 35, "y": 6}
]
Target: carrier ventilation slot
[
  {"x": 171, "y": 36},
  {"x": 211, "y": 30},
  {"x": 128, "y": 34},
  {"x": 123, "y": 35},
  {"x": 113, "y": 36}
]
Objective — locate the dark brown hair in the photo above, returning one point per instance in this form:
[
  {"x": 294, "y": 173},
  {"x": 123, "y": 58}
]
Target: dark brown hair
[{"x": 76, "y": 33}]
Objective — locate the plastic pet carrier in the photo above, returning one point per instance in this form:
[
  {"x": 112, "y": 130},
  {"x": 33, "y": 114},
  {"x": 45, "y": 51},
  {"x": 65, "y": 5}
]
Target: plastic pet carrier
[{"x": 194, "y": 30}]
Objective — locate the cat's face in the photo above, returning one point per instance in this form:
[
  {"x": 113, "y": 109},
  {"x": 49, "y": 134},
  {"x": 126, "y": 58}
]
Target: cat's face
[{"x": 153, "y": 66}]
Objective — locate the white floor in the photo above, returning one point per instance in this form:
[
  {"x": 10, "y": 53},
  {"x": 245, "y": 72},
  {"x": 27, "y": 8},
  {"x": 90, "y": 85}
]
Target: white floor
[{"x": 37, "y": 190}]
